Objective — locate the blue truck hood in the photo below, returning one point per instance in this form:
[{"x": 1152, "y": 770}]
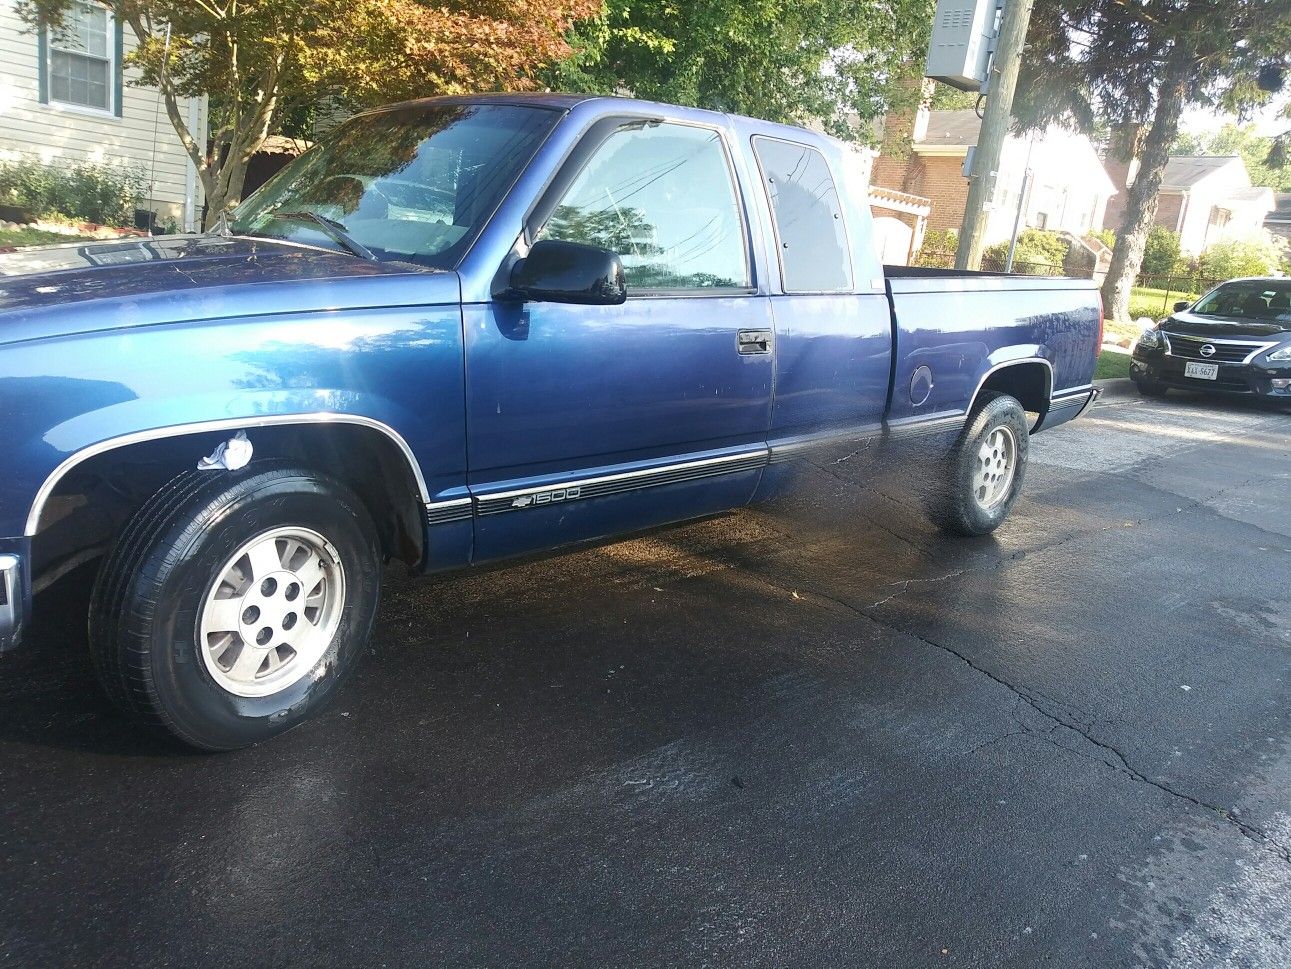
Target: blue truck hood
[{"x": 60, "y": 290}]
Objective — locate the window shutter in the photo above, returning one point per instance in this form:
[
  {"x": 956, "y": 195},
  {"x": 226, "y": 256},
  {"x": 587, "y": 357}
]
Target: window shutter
[
  {"x": 118, "y": 70},
  {"x": 42, "y": 64}
]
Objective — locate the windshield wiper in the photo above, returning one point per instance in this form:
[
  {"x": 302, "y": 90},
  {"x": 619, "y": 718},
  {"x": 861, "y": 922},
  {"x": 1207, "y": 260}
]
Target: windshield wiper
[{"x": 330, "y": 228}]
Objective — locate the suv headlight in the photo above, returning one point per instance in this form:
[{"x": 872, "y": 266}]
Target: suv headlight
[
  {"x": 1152, "y": 339},
  {"x": 1281, "y": 354}
]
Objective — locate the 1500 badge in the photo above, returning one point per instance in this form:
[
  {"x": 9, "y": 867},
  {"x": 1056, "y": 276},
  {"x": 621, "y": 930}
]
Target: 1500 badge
[{"x": 546, "y": 497}]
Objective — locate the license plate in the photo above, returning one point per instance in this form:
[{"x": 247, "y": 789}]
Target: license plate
[{"x": 1203, "y": 371}]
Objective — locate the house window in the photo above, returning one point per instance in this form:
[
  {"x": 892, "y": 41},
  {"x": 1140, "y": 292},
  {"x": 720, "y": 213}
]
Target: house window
[{"x": 81, "y": 61}]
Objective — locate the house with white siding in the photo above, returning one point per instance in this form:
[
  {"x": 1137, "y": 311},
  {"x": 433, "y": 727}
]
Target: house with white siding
[
  {"x": 67, "y": 97},
  {"x": 1206, "y": 199}
]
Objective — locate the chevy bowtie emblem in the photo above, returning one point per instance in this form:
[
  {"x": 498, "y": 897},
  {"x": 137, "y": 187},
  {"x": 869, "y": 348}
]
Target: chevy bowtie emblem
[
  {"x": 546, "y": 497},
  {"x": 1207, "y": 350}
]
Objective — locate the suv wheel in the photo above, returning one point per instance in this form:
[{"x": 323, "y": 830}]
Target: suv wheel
[
  {"x": 1150, "y": 388},
  {"x": 234, "y": 604}
]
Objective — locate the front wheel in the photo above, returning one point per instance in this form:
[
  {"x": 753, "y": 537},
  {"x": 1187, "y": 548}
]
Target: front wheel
[
  {"x": 235, "y": 603},
  {"x": 986, "y": 468},
  {"x": 1150, "y": 388}
]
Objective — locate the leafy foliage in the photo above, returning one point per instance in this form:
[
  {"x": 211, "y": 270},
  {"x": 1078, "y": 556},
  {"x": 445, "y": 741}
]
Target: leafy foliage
[
  {"x": 1245, "y": 141},
  {"x": 1228, "y": 260},
  {"x": 830, "y": 61},
  {"x": 1162, "y": 252},
  {"x": 947, "y": 98},
  {"x": 938, "y": 249},
  {"x": 1039, "y": 252},
  {"x": 102, "y": 194},
  {"x": 261, "y": 59}
]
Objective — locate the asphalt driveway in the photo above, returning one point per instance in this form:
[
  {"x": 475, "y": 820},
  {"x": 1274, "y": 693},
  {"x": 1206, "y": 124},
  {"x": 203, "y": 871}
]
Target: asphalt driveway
[{"x": 812, "y": 734}]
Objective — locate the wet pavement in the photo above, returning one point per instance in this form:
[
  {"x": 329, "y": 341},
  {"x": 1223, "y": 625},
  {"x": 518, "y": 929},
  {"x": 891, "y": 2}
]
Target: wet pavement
[{"x": 813, "y": 734}]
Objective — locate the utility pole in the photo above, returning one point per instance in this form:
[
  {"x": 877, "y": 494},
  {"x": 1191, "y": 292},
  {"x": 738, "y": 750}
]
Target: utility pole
[{"x": 999, "y": 88}]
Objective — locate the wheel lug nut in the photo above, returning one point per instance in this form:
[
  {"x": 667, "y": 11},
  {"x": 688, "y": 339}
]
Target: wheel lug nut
[
  {"x": 263, "y": 636},
  {"x": 250, "y": 615},
  {"x": 268, "y": 587},
  {"x": 289, "y": 620}
]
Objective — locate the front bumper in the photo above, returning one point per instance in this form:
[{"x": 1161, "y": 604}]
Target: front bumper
[
  {"x": 15, "y": 597},
  {"x": 1250, "y": 379}
]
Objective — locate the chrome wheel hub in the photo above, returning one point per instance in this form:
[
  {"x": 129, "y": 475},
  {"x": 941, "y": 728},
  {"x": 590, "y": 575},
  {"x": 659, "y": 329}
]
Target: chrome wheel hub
[
  {"x": 272, "y": 612},
  {"x": 997, "y": 460}
]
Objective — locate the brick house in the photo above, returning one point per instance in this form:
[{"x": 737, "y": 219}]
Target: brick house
[
  {"x": 924, "y": 155},
  {"x": 1205, "y": 198}
]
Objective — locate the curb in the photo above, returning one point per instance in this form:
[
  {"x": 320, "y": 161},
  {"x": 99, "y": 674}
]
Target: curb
[{"x": 1116, "y": 387}]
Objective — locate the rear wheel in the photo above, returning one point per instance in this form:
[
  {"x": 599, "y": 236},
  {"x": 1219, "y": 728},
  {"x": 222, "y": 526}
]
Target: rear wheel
[
  {"x": 986, "y": 468},
  {"x": 234, "y": 604}
]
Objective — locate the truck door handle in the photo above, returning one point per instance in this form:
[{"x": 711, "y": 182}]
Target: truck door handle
[{"x": 755, "y": 341}]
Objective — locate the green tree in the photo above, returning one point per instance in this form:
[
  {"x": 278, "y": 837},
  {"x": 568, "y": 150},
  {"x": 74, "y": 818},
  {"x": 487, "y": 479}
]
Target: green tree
[
  {"x": 947, "y": 98},
  {"x": 1244, "y": 141},
  {"x": 1161, "y": 252},
  {"x": 259, "y": 59},
  {"x": 1136, "y": 66},
  {"x": 829, "y": 61}
]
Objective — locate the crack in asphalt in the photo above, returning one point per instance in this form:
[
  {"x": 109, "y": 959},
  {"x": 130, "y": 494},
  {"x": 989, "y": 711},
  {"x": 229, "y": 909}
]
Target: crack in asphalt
[
  {"x": 1114, "y": 759},
  {"x": 906, "y": 583}
]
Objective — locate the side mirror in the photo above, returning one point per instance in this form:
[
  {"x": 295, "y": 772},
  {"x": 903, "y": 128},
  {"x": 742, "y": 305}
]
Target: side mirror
[
  {"x": 569, "y": 272},
  {"x": 1182, "y": 305}
]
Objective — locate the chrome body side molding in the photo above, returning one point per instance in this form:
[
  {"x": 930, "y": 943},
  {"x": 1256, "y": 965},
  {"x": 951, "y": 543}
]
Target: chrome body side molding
[
  {"x": 443, "y": 512},
  {"x": 228, "y": 424},
  {"x": 578, "y": 489}
]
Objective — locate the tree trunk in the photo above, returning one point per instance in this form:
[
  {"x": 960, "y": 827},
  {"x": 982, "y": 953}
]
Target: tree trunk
[{"x": 1141, "y": 204}]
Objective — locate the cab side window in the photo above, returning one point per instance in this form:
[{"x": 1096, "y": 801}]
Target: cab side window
[
  {"x": 662, "y": 198},
  {"x": 810, "y": 234}
]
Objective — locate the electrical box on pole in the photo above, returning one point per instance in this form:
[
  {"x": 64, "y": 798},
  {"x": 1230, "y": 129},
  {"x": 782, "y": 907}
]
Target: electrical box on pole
[{"x": 963, "y": 36}]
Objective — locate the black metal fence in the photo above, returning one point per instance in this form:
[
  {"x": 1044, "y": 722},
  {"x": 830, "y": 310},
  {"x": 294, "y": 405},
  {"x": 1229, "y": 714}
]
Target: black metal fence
[
  {"x": 945, "y": 259},
  {"x": 1167, "y": 288},
  {"x": 1171, "y": 288}
]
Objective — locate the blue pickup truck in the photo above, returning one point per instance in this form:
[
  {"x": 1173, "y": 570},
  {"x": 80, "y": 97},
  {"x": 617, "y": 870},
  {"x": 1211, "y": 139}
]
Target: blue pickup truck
[{"x": 459, "y": 330}]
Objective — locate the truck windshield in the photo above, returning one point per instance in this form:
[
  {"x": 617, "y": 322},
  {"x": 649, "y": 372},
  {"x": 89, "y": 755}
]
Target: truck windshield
[
  {"x": 1249, "y": 299},
  {"x": 412, "y": 184}
]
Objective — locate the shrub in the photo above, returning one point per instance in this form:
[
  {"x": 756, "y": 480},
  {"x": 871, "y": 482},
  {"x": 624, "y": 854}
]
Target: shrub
[
  {"x": 1228, "y": 260},
  {"x": 1039, "y": 252},
  {"x": 105, "y": 194},
  {"x": 1161, "y": 253},
  {"x": 938, "y": 249}
]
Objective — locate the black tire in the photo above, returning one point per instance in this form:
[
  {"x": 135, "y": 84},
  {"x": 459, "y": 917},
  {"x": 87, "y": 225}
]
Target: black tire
[
  {"x": 1150, "y": 388},
  {"x": 957, "y": 508},
  {"x": 149, "y": 596}
]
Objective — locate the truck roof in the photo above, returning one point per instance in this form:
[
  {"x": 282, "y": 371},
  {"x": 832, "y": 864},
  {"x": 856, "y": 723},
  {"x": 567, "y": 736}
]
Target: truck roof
[{"x": 565, "y": 102}]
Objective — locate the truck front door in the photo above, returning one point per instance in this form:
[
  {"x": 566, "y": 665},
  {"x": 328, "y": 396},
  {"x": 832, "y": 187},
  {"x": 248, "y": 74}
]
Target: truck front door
[{"x": 586, "y": 421}]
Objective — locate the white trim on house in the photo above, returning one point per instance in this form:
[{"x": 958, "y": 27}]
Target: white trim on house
[{"x": 54, "y": 45}]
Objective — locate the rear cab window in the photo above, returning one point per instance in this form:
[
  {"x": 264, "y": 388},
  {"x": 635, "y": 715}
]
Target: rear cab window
[{"x": 807, "y": 215}]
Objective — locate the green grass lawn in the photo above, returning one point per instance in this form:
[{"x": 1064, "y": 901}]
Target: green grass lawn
[
  {"x": 1114, "y": 330},
  {"x": 27, "y": 236},
  {"x": 1155, "y": 303},
  {"x": 1112, "y": 365}
]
